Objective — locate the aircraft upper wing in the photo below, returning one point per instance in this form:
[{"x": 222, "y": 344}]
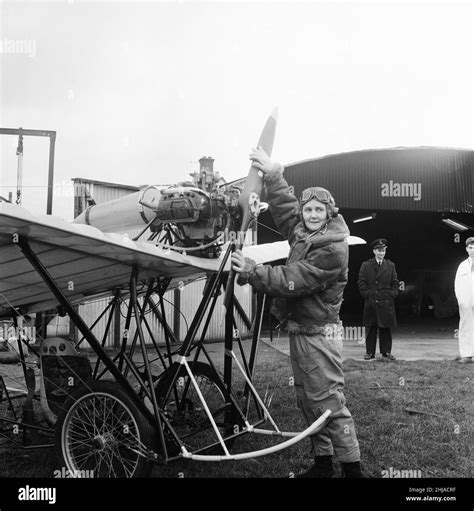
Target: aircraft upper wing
[{"x": 86, "y": 263}]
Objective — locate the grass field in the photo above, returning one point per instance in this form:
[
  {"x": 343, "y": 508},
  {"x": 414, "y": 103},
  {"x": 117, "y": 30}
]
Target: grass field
[{"x": 410, "y": 416}]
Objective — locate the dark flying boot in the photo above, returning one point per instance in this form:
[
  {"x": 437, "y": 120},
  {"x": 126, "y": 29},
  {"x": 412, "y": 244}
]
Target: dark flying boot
[
  {"x": 322, "y": 468},
  {"x": 351, "y": 470}
]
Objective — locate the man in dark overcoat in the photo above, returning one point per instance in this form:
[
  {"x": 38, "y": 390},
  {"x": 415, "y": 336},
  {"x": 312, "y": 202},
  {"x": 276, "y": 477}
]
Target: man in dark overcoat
[{"x": 379, "y": 286}]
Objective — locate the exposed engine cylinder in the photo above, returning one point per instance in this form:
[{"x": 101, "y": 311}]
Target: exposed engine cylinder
[
  {"x": 200, "y": 215},
  {"x": 182, "y": 204}
]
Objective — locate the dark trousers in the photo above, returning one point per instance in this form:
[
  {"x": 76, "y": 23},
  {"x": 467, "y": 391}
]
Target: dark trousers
[{"x": 385, "y": 338}]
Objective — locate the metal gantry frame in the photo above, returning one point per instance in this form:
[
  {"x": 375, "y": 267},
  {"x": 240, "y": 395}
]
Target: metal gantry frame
[{"x": 20, "y": 132}]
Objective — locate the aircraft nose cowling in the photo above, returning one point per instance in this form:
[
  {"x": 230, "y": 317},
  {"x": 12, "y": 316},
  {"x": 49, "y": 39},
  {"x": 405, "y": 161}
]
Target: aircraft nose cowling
[{"x": 126, "y": 214}]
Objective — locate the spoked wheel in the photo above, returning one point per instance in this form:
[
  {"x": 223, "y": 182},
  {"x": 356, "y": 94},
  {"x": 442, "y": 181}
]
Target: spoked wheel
[
  {"x": 185, "y": 410},
  {"x": 101, "y": 433}
]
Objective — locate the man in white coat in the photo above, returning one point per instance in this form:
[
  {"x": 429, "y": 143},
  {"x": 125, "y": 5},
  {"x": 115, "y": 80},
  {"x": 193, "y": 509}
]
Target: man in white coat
[{"x": 464, "y": 289}]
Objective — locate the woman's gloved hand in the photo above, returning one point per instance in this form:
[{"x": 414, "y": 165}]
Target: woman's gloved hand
[
  {"x": 261, "y": 160},
  {"x": 244, "y": 266}
]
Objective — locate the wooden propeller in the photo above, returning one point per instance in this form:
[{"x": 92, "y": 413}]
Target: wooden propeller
[{"x": 249, "y": 199}]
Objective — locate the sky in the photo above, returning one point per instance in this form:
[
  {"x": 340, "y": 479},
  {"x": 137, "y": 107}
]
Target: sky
[{"x": 139, "y": 91}]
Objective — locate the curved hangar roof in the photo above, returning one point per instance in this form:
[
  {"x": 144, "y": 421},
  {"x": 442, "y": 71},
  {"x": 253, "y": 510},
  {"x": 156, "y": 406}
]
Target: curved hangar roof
[{"x": 417, "y": 179}]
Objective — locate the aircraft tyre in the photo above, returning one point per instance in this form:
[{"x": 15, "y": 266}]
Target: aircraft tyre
[{"x": 100, "y": 433}]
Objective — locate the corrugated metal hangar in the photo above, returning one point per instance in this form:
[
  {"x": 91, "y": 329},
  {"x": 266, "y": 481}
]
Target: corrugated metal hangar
[{"x": 420, "y": 199}]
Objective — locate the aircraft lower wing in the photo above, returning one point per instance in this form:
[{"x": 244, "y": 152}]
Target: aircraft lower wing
[{"x": 86, "y": 263}]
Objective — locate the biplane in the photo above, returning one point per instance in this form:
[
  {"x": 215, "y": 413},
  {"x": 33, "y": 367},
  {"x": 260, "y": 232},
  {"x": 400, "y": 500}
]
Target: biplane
[{"x": 118, "y": 416}]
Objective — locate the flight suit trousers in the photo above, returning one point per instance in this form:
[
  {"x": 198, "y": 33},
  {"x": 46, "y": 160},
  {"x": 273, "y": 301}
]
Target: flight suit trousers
[{"x": 319, "y": 382}]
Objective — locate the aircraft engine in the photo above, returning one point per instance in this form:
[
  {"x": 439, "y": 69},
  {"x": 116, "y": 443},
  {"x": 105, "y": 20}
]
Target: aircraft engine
[
  {"x": 201, "y": 215},
  {"x": 191, "y": 214}
]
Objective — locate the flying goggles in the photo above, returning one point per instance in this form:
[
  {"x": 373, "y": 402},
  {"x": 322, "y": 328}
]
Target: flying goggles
[{"x": 321, "y": 195}]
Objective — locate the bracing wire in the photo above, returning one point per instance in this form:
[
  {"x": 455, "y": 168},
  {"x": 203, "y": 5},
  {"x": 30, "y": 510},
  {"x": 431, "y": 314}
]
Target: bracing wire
[{"x": 19, "y": 176}]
